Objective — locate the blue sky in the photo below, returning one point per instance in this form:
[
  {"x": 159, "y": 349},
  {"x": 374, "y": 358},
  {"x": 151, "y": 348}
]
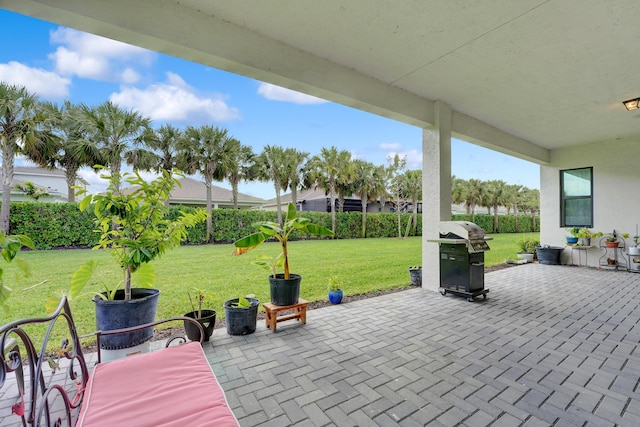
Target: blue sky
[{"x": 59, "y": 63}]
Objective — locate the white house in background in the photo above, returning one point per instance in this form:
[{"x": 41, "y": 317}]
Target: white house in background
[
  {"x": 53, "y": 181},
  {"x": 194, "y": 193}
]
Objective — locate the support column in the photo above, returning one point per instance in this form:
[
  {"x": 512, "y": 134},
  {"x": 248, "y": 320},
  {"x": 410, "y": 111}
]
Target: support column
[{"x": 436, "y": 190}]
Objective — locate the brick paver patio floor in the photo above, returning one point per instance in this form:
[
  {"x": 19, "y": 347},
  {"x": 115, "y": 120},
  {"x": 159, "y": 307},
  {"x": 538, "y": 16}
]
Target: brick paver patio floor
[{"x": 552, "y": 345}]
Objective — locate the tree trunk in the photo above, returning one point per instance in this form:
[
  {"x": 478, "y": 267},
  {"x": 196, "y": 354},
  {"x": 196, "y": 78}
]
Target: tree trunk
[
  {"x": 71, "y": 174},
  {"x": 278, "y": 205},
  {"x": 415, "y": 215},
  {"x": 207, "y": 184},
  {"x": 363, "y": 201},
  {"x": 234, "y": 193},
  {"x": 7, "y": 178},
  {"x": 333, "y": 210},
  {"x": 495, "y": 219}
]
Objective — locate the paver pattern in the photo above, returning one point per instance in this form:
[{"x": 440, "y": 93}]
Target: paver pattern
[{"x": 551, "y": 346}]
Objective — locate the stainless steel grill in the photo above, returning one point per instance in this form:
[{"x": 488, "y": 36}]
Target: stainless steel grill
[{"x": 462, "y": 248}]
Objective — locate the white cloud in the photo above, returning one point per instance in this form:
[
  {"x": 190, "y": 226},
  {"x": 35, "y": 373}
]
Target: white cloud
[
  {"x": 390, "y": 146},
  {"x": 277, "y": 93},
  {"x": 38, "y": 81},
  {"x": 175, "y": 101},
  {"x": 95, "y": 57}
]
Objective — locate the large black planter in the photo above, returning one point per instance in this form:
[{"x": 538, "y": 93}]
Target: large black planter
[
  {"x": 285, "y": 291},
  {"x": 415, "y": 274},
  {"x": 207, "y": 320},
  {"x": 549, "y": 255},
  {"x": 118, "y": 314},
  {"x": 241, "y": 320}
]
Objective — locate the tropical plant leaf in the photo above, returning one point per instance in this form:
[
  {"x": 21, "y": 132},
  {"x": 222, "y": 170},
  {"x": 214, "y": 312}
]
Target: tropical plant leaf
[{"x": 81, "y": 277}]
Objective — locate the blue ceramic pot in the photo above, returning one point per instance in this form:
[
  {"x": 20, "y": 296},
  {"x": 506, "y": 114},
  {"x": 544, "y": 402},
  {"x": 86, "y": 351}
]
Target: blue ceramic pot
[{"x": 335, "y": 297}]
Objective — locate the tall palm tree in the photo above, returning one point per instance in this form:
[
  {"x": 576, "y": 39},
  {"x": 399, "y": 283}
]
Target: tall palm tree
[
  {"x": 369, "y": 184},
  {"x": 18, "y": 126},
  {"x": 116, "y": 131},
  {"x": 513, "y": 192},
  {"x": 474, "y": 192},
  {"x": 395, "y": 168},
  {"x": 345, "y": 183},
  {"x": 202, "y": 151},
  {"x": 497, "y": 198},
  {"x": 238, "y": 165},
  {"x": 412, "y": 183},
  {"x": 324, "y": 171},
  {"x": 68, "y": 147},
  {"x": 274, "y": 167},
  {"x": 458, "y": 192},
  {"x": 296, "y": 171},
  {"x": 160, "y": 150}
]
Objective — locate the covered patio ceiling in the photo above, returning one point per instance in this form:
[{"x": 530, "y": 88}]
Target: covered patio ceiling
[{"x": 522, "y": 77}]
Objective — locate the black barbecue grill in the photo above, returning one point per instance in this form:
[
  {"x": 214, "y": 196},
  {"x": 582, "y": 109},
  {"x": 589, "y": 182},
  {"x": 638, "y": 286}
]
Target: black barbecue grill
[{"x": 462, "y": 247}]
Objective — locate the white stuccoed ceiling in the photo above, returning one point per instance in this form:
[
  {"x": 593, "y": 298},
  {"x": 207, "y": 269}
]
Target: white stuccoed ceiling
[{"x": 521, "y": 76}]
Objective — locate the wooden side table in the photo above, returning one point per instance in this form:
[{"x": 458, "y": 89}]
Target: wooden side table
[{"x": 299, "y": 313}]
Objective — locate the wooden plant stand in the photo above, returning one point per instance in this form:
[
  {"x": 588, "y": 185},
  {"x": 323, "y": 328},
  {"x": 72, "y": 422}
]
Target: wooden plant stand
[{"x": 272, "y": 319}]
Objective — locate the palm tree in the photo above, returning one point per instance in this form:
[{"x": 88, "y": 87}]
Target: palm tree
[
  {"x": 369, "y": 184},
  {"x": 68, "y": 146},
  {"x": 274, "y": 167},
  {"x": 497, "y": 197},
  {"x": 396, "y": 165},
  {"x": 512, "y": 194},
  {"x": 160, "y": 152},
  {"x": 345, "y": 183},
  {"x": 202, "y": 150},
  {"x": 475, "y": 191},
  {"x": 238, "y": 164},
  {"x": 412, "y": 183},
  {"x": 458, "y": 188},
  {"x": 324, "y": 171},
  {"x": 117, "y": 132},
  {"x": 18, "y": 126},
  {"x": 296, "y": 171}
]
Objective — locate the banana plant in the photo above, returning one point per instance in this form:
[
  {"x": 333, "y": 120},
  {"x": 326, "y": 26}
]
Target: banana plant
[{"x": 269, "y": 229}]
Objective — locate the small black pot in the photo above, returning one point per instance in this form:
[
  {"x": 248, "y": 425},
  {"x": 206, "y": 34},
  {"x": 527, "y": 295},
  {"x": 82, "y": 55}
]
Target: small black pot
[
  {"x": 207, "y": 321},
  {"x": 285, "y": 291},
  {"x": 415, "y": 274},
  {"x": 241, "y": 320}
]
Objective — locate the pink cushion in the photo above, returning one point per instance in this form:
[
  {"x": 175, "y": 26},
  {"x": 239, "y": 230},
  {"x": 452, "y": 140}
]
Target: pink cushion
[{"x": 174, "y": 386}]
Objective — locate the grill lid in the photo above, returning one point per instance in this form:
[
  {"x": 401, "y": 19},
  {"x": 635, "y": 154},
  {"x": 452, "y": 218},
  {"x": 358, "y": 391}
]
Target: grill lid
[{"x": 470, "y": 232}]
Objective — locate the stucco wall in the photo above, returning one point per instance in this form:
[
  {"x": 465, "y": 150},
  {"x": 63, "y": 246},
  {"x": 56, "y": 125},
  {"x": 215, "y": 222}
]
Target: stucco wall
[{"x": 616, "y": 186}]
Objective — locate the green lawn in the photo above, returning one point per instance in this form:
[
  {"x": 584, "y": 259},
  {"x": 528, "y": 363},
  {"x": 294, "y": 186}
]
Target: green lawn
[{"x": 366, "y": 265}]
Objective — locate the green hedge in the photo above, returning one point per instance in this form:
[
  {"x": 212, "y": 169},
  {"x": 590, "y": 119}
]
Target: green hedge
[{"x": 62, "y": 225}]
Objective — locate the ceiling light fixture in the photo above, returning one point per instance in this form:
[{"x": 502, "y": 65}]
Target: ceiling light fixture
[{"x": 632, "y": 104}]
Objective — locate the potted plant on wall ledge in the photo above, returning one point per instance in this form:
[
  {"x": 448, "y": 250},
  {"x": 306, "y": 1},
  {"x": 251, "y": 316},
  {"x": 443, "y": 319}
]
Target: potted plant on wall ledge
[
  {"x": 134, "y": 225},
  {"x": 285, "y": 287}
]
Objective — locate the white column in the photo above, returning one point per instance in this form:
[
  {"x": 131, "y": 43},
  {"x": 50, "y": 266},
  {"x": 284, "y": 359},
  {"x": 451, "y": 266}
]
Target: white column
[{"x": 436, "y": 190}]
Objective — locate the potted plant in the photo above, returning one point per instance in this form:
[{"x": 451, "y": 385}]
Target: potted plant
[
  {"x": 527, "y": 248},
  {"x": 335, "y": 289},
  {"x": 635, "y": 249},
  {"x": 612, "y": 240},
  {"x": 241, "y": 315},
  {"x": 585, "y": 235},
  {"x": 134, "y": 225},
  {"x": 572, "y": 238},
  {"x": 206, "y": 318},
  {"x": 285, "y": 287},
  {"x": 611, "y": 261}
]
